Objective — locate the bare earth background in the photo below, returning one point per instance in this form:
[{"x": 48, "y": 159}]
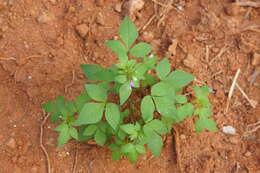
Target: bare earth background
[{"x": 43, "y": 43}]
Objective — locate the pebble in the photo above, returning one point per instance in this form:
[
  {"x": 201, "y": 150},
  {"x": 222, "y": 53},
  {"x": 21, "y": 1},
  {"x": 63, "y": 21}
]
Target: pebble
[
  {"x": 256, "y": 59},
  {"x": 34, "y": 169},
  {"x": 53, "y": 1},
  {"x": 248, "y": 154},
  {"x": 232, "y": 9},
  {"x": 234, "y": 140},
  {"x": 229, "y": 130},
  {"x": 133, "y": 6},
  {"x": 11, "y": 143},
  {"x": 173, "y": 46},
  {"x": 182, "y": 136},
  {"x": 118, "y": 7},
  {"x": 101, "y": 19},
  {"x": 100, "y": 3},
  {"x": 82, "y": 30},
  {"x": 148, "y": 36},
  {"x": 190, "y": 61},
  {"x": 45, "y": 18}
]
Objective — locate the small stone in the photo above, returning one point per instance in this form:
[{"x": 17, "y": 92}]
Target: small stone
[
  {"x": 229, "y": 130},
  {"x": 256, "y": 59},
  {"x": 148, "y": 36},
  {"x": 53, "y": 2},
  {"x": 34, "y": 169},
  {"x": 234, "y": 140},
  {"x": 190, "y": 61},
  {"x": 82, "y": 30},
  {"x": 133, "y": 6},
  {"x": 45, "y": 18},
  {"x": 248, "y": 154},
  {"x": 215, "y": 49},
  {"x": 11, "y": 143},
  {"x": 232, "y": 9},
  {"x": 118, "y": 7},
  {"x": 101, "y": 19},
  {"x": 173, "y": 46},
  {"x": 100, "y": 3},
  {"x": 182, "y": 136}
]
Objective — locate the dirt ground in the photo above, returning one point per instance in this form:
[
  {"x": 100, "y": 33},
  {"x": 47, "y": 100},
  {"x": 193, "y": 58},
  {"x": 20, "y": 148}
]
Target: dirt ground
[{"x": 43, "y": 43}]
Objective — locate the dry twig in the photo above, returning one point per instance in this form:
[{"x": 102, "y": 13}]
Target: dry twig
[
  {"x": 249, "y": 4},
  {"x": 7, "y": 59},
  {"x": 222, "y": 50},
  {"x": 231, "y": 90},
  {"x": 254, "y": 127},
  {"x": 207, "y": 53},
  {"x": 41, "y": 142},
  {"x": 72, "y": 81},
  {"x": 246, "y": 97},
  {"x": 75, "y": 161},
  {"x": 177, "y": 147}
]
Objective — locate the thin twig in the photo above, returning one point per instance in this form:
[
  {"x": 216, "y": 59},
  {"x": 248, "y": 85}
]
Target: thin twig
[
  {"x": 251, "y": 27},
  {"x": 75, "y": 161},
  {"x": 41, "y": 142},
  {"x": 248, "y": 4},
  {"x": 207, "y": 53},
  {"x": 231, "y": 90},
  {"x": 7, "y": 59},
  {"x": 147, "y": 23},
  {"x": 177, "y": 147},
  {"x": 245, "y": 95},
  {"x": 222, "y": 50},
  {"x": 72, "y": 81},
  {"x": 248, "y": 132}
]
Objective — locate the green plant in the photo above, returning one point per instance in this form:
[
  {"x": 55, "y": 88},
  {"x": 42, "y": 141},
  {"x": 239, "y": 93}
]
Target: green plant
[{"x": 126, "y": 105}]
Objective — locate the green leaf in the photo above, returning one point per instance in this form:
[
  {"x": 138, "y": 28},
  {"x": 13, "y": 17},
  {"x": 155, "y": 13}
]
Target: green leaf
[
  {"x": 91, "y": 113},
  {"x": 100, "y": 138},
  {"x": 161, "y": 89},
  {"x": 60, "y": 101},
  {"x": 201, "y": 91},
  {"x": 155, "y": 144},
  {"x": 73, "y": 133},
  {"x": 128, "y": 32},
  {"x": 116, "y": 155},
  {"x": 81, "y": 100},
  {"x": 61, "y": 127},
  {"x": 184, "y": 111},
  {"x": 179, "y": 78},
  {"x": 96, "y": 92},
  {"x": 97, "y": 73},
  {"x": 133, "y": 156},
  {"x": 124, "y": 92},
  {"x": 90, "y": 130},
  {"x": 205, "y": 123},
  {"x": 163, "y": 68},
  {"x": 140, "y": 149},
  {"x": 112, "y": 115},
  {"x": 121, "y": 78},
  {"x": 180, "y": 99},
  {"x": 50, "y": 107},
  {"x": 71, "y": 107},
  {"x": 64, "y": 135},
  {"x": 128, "y": 148},
  {"x": 148, "y": 81},
  {"x": 55, "y": 117},
  {"x": 158, "y": 126},
  {"x": 147, "y": 108},
  {"x": 150, "y": 61},
  {"x": 81, "y": 136},
  {"x": 164, "y": 105},
  {"x": 204, "y": 111},
  {"x": 141, "y": 50},
  {"x": 128, "y": 128},
  {"x": 117, "y": 47}
]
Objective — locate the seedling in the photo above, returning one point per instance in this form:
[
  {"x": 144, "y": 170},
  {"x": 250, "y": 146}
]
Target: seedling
[{"x": 133, "y": 103}]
